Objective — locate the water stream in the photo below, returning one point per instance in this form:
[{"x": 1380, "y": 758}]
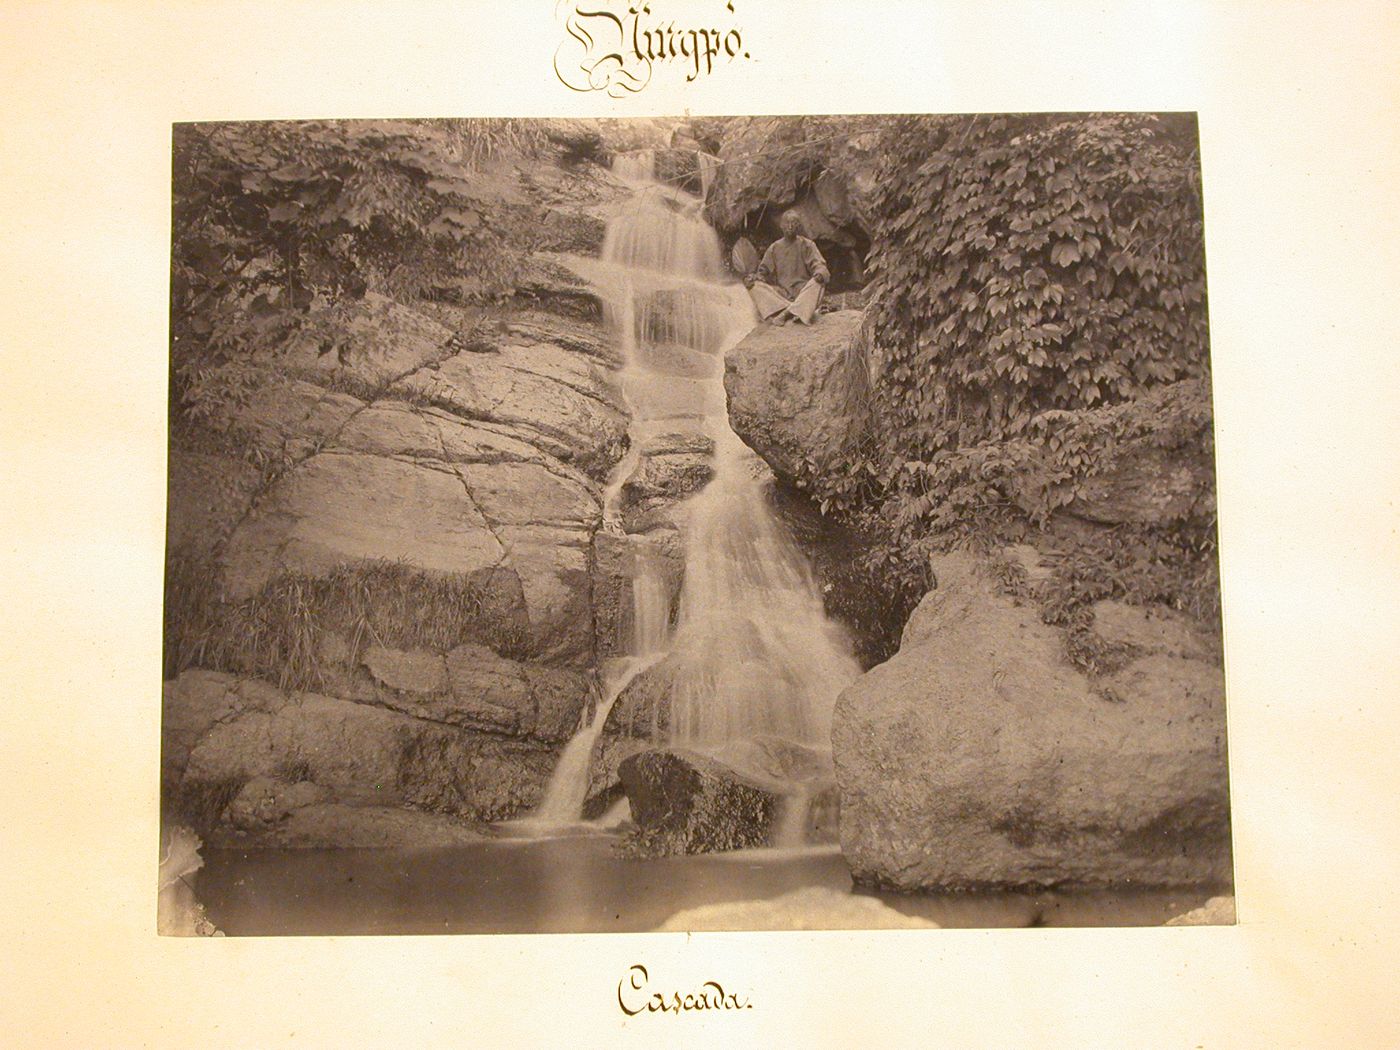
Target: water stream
[{"x": 752, "y": 655}]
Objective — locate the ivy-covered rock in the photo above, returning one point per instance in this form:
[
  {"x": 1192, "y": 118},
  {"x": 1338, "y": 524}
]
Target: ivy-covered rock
[
  {"x": 1149, "y": 461},
  {"x": 772, "y": 163}
]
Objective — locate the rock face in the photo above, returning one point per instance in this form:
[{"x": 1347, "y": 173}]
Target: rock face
[
  {"x": 979, "y": 757},
  {"x": 790, "y": 389},
  {"x": 775, "y": 164},
  {"x": 283, "y": 751},
  {"x": 410, "y": 503}
]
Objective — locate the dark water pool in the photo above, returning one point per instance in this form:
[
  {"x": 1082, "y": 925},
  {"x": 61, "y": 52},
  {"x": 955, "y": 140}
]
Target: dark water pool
[{"x": 578, "y": 885}]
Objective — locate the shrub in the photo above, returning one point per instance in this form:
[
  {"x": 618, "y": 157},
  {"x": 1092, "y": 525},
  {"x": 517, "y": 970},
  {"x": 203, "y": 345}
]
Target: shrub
[{"x": 271, "y": 218}]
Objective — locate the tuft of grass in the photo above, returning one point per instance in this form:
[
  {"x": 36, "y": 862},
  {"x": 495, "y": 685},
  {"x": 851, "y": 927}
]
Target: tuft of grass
[
  {"x": 198, "y": 804},
  {"x": 477, "y": 141},
  {"x": 277, "y": 634}
]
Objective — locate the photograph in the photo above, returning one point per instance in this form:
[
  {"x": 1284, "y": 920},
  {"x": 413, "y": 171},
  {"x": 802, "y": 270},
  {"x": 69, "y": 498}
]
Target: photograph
[
  {"x": 701, "y": 523},
  {"x": 696, "y": 523}
]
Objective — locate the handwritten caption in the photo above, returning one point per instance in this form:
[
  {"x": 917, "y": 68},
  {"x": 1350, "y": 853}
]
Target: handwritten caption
[{"x": 634, "y": 996}]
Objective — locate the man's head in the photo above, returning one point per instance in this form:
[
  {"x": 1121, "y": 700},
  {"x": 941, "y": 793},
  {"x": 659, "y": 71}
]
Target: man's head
[{"x": 790, "y": 224}]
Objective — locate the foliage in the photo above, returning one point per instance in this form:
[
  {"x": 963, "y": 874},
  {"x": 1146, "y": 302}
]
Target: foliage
[
  {"x": 280, "y": 633},
  {"x": 1020, "y": 266},
  {"x": 272, "y": 219},
  {"x": 1174, "y": 566},
  {"x": 1032, "y": 263},
  {"x": 873, "y": 593},
  {"x": 1037, "y": 305}
]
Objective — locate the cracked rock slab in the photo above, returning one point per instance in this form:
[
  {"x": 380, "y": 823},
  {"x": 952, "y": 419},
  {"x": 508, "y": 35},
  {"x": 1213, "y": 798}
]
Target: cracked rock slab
[{"x": 338, "y": 508}]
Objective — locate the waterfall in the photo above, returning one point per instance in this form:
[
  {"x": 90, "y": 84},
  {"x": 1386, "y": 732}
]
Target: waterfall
[{"x": 752, "y": 653}]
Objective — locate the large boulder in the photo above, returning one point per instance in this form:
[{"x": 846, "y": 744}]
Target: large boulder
[
  {"x": 979, "y": 757},
  {"x": 790, "y": 389}
]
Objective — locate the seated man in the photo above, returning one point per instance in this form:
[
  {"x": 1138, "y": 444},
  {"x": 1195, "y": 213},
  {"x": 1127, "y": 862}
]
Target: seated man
[{"x": 788, "y": 282}]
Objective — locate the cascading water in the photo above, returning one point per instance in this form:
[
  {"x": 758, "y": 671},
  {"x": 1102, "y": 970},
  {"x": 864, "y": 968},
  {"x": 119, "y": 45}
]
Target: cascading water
[{"x": 752, "y": 654}]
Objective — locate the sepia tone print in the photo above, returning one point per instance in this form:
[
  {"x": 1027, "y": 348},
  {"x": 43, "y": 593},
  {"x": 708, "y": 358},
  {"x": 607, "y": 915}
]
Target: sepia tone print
[{"x": 708, "y": 523}]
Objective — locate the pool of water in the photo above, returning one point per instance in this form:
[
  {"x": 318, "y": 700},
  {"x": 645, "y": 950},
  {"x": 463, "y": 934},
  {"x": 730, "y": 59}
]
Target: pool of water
[{"x": 578, "y": 884}]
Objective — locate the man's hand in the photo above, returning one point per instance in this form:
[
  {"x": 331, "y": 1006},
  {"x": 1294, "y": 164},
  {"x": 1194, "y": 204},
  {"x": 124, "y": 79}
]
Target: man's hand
[
  {"x": 820, "y": 278},
  {"x": 748, "y": 280}
]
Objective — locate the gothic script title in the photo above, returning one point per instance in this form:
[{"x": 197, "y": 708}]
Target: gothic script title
[{"x": 615, "y": 49}]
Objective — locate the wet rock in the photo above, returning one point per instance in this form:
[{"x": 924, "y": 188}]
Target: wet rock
[
  {"x": 812, "y": 908},
  {"x": 664, "y": 479},
  {"x": 643, "y": 709},
  {"x": 676, "y": 443},
  {"x": 637, "y": 722},
  {"x": 681, "y": 166},
  {"x": 790, "y": 390},
  {"x": 856, "y": 599},
  {"x": 979, "y": 757},
  {"x": 617, "y": 558},
  {"x": 683, "y": 802}
]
